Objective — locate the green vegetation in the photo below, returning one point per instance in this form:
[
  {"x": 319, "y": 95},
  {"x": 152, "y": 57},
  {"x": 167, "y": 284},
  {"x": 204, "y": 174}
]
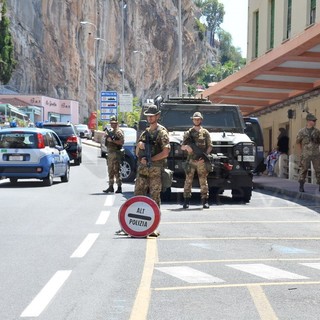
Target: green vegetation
[
  {"x": 7, "y": 62},
  {"x": 228, "y": 58}
]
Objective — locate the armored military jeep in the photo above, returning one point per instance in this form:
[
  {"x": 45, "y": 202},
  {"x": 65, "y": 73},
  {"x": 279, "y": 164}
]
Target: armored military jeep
[{"x": 233, "y": 154}]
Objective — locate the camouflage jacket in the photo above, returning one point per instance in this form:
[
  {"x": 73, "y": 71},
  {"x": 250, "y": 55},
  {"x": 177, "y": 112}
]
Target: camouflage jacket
[
  {"x": 115, "y": 135},
  {"x": 309, "y": 140}
]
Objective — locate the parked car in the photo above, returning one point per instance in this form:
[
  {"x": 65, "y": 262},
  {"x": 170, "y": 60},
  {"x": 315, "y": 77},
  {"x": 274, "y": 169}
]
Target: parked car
[
  {"x": 33, "y": 153},
  {"x": 83, "y": 131},
  {"x": 129, "y": 164},
  {"x": 69, "y": 136}
]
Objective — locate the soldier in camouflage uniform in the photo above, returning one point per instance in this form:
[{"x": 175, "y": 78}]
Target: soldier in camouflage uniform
[
  {"x": 308, "y": 141},
  {"x": 201, "y": 138},
  {"x": 156, "y": 140},
  {"x": 114, "y": 142}
]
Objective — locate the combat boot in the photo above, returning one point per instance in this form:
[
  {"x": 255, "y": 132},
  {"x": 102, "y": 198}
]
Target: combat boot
[
  {"x": 110, "y": 189},
  {"x": 186, "y": 203},
  {"x": 205, "y": 204},
  {"x": 301, "y": 186},
  {"x": 119, "y": 190}
]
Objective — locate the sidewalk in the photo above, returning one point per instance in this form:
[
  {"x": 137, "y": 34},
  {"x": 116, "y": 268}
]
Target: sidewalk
[
  {"x": 275, "y": 184},
  {"x": 286, "y": 187}
]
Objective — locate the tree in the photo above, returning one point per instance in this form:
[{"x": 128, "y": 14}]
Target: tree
[
  {"x": 7, "y": 62},
  {"x": 214, "y": 12}
]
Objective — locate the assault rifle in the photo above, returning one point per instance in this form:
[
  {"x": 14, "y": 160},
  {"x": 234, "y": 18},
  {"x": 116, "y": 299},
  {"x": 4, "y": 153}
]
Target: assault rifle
[
  {"x": 110, "y": 134},
  {"x": 148, "y": 147},
  {"x": 200, "y": 154}
]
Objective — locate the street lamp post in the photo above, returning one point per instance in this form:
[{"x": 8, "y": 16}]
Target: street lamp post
[
  {"x": 180, "y": 48},
  {"x": 143, "y": 84},
  {"x": 96, "y": 72}
]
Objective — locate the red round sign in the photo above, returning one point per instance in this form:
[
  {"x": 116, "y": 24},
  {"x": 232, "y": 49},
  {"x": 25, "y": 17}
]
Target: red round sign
[{"x": 139, "y": 216}]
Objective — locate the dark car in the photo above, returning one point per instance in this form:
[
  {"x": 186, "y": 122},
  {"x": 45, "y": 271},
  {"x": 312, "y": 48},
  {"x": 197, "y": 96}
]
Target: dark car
[
  {"x": 129, "y": 164},
  {"x": 69, "y": 136}
]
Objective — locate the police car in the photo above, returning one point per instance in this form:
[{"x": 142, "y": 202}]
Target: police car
[{"x": 33, "y": 153}]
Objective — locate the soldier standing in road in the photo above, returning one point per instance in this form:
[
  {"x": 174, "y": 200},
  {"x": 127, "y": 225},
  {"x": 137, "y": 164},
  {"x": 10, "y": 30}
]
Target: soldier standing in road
[
  {"x": 155, "y": 141},
  {"x": 200, "y": 137},
  {"x": 114, "y": 142},
  {"x": 308, "y": 141}
]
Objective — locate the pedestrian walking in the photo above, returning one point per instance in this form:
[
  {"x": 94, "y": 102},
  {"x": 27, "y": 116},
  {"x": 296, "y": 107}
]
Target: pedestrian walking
[
  {"x": 114, "y": 142},
  {"x": 152, "y": 150},
  {"x": 197, "y": 143},
  {"x": 308, "y": 142}
]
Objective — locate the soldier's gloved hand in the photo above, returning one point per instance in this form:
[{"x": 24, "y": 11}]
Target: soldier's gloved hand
[
  {"x": 186, "y": 148},
  {"x": 144, "y": 161}
]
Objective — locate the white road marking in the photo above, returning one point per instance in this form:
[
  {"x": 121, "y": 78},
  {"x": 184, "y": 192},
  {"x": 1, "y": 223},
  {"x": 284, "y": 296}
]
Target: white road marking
[
  {"x": 266, "y": 272},
  {"x": 189, "y": 275},
  {"x": 312, "y": 265},
  {"x": 103, "y": 217},
  {"x": 43, "y": 298},
  {"x": 85, "y": 245},
  {"x": 109, "y": 200}
]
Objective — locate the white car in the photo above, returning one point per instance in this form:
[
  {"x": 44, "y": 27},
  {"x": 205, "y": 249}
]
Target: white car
[
  {"x": 33, "y": 153},
  {"x": 83, "y": 131}
]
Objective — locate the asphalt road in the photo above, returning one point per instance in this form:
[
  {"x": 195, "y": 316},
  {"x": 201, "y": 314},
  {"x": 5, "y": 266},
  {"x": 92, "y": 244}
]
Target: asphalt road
[{"x": 61, "y": 260}]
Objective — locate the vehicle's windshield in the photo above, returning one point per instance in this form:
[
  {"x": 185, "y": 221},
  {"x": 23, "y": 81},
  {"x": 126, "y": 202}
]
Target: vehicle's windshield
[{"x": 222, "y": 118}]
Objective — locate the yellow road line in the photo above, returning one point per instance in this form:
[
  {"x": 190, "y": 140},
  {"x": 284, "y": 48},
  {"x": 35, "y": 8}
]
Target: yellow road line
[
  {"x": 240, "y": 221},
  {"x": 141, "y": 303},
  {"x": 262, "y": 303},
  {"x": 240, "y": 238},
  {"x": 236, "y": 260},
  {"x": 237, "y": 285}
]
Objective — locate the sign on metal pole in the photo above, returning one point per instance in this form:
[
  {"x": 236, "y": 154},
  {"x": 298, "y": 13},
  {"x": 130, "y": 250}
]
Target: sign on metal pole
[
  {"x": 108, "y": 104},
  {"x": 139, "y": 216},
  {"x": 126, "y": 102}
]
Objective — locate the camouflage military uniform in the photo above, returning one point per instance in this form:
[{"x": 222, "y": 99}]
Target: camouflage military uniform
[
  {"x": 114, "y": 158},
  {"x": 149, "y": 175},
  {"x": 309, "y": 138},
  {"x": 202, "y": 140}
]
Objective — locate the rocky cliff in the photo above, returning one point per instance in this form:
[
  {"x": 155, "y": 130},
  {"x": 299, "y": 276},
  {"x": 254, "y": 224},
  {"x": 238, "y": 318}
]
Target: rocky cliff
[{"x": 56, "y": 53}]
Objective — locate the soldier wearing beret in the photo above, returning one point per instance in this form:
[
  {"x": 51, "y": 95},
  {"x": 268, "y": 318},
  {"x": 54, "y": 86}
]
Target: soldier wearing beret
[
  {"x": 201, "y": 138},
  {"x": 308, "y": 142},
  {"x": 152, "y": 150},
  {"x": 114, "y": 142}
]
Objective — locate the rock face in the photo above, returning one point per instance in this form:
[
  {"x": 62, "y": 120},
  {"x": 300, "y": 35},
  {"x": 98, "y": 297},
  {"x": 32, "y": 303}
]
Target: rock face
[{"x": 56, "y": 54}]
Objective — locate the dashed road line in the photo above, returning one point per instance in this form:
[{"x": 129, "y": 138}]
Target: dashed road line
[
  {"x": 267, "y": 272},
  {"x": 190, "y": 275},
  {"x": 103, "y": 217},
  {"x": 42, "y": 299},
  {"x": 110, "y": 198},
  {"x": 85, "y": 245}
]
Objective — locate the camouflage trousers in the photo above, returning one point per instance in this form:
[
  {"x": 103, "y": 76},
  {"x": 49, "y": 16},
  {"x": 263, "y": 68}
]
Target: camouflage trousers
[
  {"x": 202, "y": 172},
  {"x": 113, "y": 164},
  {"x": 149, "y": 179},
  {"x": 305, "y": 161}
]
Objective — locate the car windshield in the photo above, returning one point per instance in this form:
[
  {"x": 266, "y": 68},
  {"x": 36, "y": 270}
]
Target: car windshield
[
  {"x": 81, "y": 127},
  {"x": 19, "y": 140},
  {"x": 61, "y": 130},
  {"x": 130, "y": 135}
]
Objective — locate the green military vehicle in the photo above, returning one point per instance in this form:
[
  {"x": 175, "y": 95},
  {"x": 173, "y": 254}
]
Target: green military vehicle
[{"x": 233, "y": 155}]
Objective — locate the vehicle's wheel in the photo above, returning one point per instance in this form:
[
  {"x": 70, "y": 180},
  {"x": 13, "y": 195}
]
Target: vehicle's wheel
[
  {"x": 166, "y": 195},
  {"x": 65, "y": 178},
  {"x": 13, "y": 180},
  {"x": 126, "y": 170},
  {"x": 242, "y": 194},
  {"x": 48, "y": 181},
  {"x": 77, "y": 161}
]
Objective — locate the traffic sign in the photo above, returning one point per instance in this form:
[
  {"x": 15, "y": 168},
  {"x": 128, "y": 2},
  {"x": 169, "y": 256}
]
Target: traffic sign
[
  {"x": 108, "y": 104},
  {"x": 139, "y": 216},
  {"x": 126, "y": 102}
]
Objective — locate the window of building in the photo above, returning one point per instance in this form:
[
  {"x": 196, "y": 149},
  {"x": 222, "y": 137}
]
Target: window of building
[
  {"x": 288, "y": 20},
  {"x": 312, "y": 17},
  {"x": 255, "y": 46},
  {"x": 271, "y": 23}
]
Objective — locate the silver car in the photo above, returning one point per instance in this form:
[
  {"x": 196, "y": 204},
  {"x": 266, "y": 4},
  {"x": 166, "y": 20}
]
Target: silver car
[{"x": 83, "y": 131}]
